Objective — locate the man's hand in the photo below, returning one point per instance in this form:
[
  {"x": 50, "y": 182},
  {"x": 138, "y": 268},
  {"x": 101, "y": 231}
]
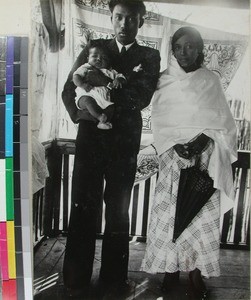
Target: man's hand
[
  {"x": 118, "y": 82},
  {"x": 84, "y": 115}
]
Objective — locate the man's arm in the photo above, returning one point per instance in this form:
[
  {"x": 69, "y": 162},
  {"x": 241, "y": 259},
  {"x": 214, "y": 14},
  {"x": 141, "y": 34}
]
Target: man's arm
[
  {"x": 78, "y": 80},
  {"x": 69, "y": 94}
]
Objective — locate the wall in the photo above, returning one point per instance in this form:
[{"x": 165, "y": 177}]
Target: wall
[{"x": 14, "y": 17}]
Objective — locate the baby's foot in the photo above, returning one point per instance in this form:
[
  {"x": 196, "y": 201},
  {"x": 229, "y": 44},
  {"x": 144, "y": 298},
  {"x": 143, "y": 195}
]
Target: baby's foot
[
  {"x": 105, "y": 126},
  {"x": 102, "y": 118}
]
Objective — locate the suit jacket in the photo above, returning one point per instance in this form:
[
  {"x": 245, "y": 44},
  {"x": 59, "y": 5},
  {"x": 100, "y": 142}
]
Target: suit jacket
[{"x": 129, "y": 100}]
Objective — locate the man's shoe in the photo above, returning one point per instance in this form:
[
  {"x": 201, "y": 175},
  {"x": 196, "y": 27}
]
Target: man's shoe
[
  {"x": 121, "y": 290},
  {"x": 126, "y": 285},
  {"x": 77, "y": 292}
]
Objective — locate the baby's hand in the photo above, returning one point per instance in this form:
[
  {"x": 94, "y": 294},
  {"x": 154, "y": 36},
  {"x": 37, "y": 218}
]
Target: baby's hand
[
  {"x": 88, "y": 66},
  {"x": 87, "y": 87},
  {"x": 118, "y": 82}
]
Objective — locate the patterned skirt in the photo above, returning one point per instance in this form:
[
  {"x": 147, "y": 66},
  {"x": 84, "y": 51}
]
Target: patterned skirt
[{"x": 198, "y": 245}]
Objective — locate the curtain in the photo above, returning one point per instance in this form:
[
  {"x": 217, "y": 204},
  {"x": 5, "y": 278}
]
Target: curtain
[
  {"x": 45, "y": 45},
  {"x": 53, "y": 20},
  {"x": 90, "y": 19}
]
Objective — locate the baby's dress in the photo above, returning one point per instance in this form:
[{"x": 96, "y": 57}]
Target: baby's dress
[{"x": 100, "y": 93}]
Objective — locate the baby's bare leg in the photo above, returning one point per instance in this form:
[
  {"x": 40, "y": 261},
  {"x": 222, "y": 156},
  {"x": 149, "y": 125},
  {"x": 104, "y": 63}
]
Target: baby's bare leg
[
  {"x": 108, "y": 111},
  {"x": 87, "y": 102}
]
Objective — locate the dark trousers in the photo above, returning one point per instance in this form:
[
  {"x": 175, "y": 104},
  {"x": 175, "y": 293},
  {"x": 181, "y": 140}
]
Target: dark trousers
[{"x": 96, "y": 159}]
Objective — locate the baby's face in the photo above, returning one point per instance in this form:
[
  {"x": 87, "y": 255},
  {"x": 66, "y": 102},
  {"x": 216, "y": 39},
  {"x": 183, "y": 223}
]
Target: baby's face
[{"x": 98, "y": 58}]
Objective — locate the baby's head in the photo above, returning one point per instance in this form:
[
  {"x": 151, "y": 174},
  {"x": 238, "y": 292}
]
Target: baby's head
[{"x": 98, "y": 58}]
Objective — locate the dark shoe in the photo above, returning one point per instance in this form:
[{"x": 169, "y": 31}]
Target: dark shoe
[
  {"x": 126, "y": 285},
  {"x": 197, "y": 288},
  {"x": 204, "y": 295},
  {"x": 170, "y": 281},
  {"x": 77, "y": 292},
  {"x": 119, "y": 290},
  {"x": 194, "y": 294},
  {"x": 121, "y": 284}
]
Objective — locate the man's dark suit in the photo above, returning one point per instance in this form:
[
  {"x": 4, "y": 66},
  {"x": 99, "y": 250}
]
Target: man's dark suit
[{"x": 110, "y": 155}]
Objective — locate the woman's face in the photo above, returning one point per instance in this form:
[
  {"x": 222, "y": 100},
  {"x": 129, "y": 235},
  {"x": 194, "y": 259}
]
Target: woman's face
[{"x": 185, "y": 51}]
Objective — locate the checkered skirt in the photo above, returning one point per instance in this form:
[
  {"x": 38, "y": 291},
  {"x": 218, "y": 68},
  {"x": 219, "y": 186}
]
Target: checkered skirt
[{"x": 198, "y": 245}]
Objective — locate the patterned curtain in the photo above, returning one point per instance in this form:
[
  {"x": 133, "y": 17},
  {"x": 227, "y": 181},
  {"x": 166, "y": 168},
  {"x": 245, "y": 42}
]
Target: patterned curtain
[
  {"x": 90, "y": 19},
  {"x": 224, "y": 58},
  {"x": 223, "y": 54}
]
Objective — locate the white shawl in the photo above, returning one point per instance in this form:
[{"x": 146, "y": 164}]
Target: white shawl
[{"x": 186, "y": 104}]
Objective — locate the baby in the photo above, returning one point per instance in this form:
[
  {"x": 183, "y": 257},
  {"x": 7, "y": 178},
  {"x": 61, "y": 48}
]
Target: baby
[{"x": 97, "y": 99}]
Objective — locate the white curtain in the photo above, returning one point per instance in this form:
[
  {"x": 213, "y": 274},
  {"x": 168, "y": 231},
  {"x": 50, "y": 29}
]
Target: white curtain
[{"x": 90, "y": 19}]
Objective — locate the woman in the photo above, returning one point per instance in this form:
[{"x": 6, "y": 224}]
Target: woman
[{"x": 191, "y": 119}]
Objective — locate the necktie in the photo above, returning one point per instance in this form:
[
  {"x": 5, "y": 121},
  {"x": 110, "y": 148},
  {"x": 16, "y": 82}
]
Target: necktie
[{"x": 123, "y": 51}]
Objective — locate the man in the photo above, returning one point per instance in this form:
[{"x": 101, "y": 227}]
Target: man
[{"x": 108, "y": 154}]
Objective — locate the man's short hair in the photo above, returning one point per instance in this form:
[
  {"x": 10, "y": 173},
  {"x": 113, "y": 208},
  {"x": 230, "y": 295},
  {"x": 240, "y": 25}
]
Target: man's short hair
[{"x": 135, "y": 5}]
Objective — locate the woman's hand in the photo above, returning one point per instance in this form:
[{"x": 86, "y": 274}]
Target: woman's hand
[
  {"x": 182, "y": 150},
  {"x": 196, "y": 147}
]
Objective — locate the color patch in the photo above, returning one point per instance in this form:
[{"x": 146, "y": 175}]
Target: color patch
[
  {"x": 3, "y": 191},
  {"x": 11, "y": 250},
  {"x": 2, "y": 127},
  {"x": 3, "y": 48},
  {"x": 9, "y": 65},
  {"x": 9, "y": 189},
  {"x": 9, "y": 290},
  {"x": 15, "y": 241},
  {"x": 9, "y": 126},
  {"x": 4, "y": 251}
]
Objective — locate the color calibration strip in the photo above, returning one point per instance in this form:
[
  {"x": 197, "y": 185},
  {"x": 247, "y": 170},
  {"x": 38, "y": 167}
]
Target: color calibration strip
[{"x": 15, "y": 240}]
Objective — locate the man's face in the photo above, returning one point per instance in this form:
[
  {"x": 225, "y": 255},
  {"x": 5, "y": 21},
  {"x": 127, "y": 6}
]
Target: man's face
[{"x": 125, "y": 24}]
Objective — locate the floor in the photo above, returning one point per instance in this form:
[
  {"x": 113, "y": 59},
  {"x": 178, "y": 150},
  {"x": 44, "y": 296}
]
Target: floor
[{"x": 234, "y": 283}]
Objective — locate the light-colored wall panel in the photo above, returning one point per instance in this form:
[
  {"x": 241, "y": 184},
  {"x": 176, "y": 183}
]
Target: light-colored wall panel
[{"x": 14, "y": 17}]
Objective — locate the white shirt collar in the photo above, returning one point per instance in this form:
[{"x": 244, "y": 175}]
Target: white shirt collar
[{"x": 120, "y": 45}]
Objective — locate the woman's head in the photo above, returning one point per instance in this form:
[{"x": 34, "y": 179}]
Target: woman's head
[{"x": 187, "y": 47}]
